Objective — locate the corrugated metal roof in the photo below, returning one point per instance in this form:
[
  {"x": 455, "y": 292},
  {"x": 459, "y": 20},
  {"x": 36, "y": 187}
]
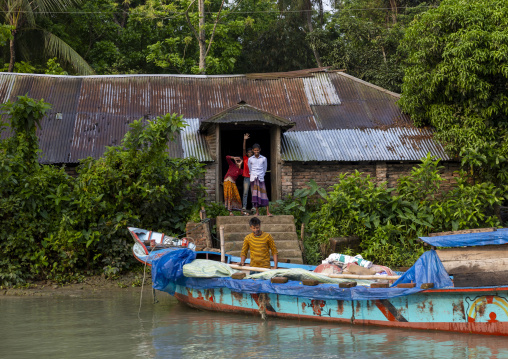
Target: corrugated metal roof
[
  {"x": 320, "y": 90},
  {"x": 97, "y": 110},
  {"x": 193, "y": 143},
  {"x": 6, "y": 83},
  {"x": 393, "y": 144}
]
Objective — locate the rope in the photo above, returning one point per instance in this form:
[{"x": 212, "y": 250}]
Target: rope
[{"x": 143, "y": 284}]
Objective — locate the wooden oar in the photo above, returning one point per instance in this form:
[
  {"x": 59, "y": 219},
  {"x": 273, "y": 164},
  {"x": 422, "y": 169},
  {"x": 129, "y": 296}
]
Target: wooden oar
[{"x": 343, "y": 276}]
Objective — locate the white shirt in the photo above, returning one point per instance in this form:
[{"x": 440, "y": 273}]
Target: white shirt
[{"x": 257, "y": 167}]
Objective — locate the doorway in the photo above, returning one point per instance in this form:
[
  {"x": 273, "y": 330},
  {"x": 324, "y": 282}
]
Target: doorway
[{"x": 231, "y": 144}]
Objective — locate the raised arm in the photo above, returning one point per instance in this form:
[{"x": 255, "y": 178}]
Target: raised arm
[
  {"x": 230, "y": 160},
  {"x": 245, "y": 138}
]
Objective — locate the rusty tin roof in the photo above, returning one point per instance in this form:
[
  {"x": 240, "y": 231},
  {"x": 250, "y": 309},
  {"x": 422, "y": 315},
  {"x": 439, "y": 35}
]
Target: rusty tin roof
[
  {"x": 97, "y": 110},
  {"x": 246, "y": 113}
]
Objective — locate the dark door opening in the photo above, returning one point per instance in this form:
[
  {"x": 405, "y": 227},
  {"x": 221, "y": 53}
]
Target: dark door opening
[{"x": 231, "y": 144}]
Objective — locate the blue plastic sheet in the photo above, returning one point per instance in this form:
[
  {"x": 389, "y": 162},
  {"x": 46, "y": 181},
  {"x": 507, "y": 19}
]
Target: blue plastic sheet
[
  {"x": 471, "y": 239},
  {"x": 293, "y": 288},
  {"x": 169, "y": 268},
  {"x": 427, "y": 269},
  {"x": 167, "y": 272}
]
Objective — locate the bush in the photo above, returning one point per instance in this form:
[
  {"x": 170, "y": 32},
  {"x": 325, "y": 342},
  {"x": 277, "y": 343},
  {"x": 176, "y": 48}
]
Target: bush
[
  {"x": 59, "y": 227},
  {"x": 388, "y": 221}
]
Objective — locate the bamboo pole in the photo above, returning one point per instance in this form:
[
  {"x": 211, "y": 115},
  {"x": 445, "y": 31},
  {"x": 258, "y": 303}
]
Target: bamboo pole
[
  {"x": 222, "y": 245},
  {"x": 341, "y": 276}
]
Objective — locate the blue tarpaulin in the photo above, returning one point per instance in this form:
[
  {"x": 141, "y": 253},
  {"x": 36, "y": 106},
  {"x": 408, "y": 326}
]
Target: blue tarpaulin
[
  {"x": 499, "y": 236},
  {"x": 169, "y": 268},
  {"x": 427, "y": 269},
  {"x": 167, "y": 272}
]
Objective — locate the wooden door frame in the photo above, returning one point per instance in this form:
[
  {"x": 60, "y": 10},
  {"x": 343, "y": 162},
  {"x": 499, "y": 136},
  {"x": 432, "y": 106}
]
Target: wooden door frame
[{"x": 275, "y": 166}]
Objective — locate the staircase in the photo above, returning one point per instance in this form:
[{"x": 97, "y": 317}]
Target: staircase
[{"x": 282, "y": 229}]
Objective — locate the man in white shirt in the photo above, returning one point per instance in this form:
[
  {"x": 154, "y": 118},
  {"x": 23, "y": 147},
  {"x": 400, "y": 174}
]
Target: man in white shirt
[{"x": 258, "y": 166}]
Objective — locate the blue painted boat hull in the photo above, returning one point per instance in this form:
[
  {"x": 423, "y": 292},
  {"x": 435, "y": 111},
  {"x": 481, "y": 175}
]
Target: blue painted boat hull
[{"x": 466, "y": 310}]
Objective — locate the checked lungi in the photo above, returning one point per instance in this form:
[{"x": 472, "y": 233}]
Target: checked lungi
[{"x": 259, "y": 196}]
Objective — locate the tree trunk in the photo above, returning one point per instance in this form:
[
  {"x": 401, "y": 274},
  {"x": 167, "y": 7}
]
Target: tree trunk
[
  {"x": 12, "y": 47},
  {"x": 393, "y": 5},
  {"x": 311, "y": 29},
  {"x": 202, "y": 39}
]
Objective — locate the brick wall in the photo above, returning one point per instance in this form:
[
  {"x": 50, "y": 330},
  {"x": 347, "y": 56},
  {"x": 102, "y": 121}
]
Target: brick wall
[
  {"x": 71, "y": 170},
  {"x": 209, "y": 182},
  {"x": 200, "y": 233},
  {"x": 397, "y": 170},
  {"x": 296, "y": 174}
]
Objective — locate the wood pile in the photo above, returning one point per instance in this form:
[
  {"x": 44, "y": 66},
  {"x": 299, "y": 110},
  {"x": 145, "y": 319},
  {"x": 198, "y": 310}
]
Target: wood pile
[{"x": 477, "y": 266}]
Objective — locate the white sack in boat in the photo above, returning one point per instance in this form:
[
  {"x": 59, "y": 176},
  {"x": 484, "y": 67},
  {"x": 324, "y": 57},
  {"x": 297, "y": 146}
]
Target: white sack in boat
[{"x": 204, "y": 268}]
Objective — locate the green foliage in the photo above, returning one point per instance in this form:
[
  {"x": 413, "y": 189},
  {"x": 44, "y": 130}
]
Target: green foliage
[
  {"x": 23, "y": 67},
  {"x": 24, "y": 114},
  {"x": 30, "y": 39},
  {"x": 54, "y": 68},
  {"x": 302, "y": 204},
  {"x": 58, "y": 227},
  {"x": 5, "y": 34},
  {"x": 363, "y": 37},
  {"x": 136, "y": 184},
  {"x": 213, "y": 210},
  {"x": 225, "y": 34},
  {"x": 28, "y": 193},
  {"x": 455, "y": 80},
  {"x": 388, "y": 221}
]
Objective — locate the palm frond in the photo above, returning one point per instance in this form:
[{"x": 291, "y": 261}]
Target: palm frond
[
  {"x": 54, "y": 46},
  {"x": 51, "y": 5},
  {"x": 28, "y": 13}
]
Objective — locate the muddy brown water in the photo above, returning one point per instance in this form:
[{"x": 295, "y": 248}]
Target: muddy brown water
[{"x": 107, "y": 325}]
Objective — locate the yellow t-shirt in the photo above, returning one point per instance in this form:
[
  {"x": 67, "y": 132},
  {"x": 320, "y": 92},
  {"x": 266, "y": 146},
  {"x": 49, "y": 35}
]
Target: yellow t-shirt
[{"x": 260, "y": 248}]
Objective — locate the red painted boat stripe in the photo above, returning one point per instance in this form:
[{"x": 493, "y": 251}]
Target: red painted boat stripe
[{"x": 389, "y": 311}]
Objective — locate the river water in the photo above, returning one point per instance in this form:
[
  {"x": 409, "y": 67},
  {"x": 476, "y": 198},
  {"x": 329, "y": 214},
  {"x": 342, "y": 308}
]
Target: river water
[{"x": 107, "y": 325}]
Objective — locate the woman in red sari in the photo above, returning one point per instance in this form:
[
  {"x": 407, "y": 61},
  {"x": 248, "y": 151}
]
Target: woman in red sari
[{"x": 232, "y": 199}]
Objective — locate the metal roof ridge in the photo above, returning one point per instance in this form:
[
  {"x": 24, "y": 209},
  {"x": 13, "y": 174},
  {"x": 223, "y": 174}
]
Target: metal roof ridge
[{"x": 394, "y": 94}]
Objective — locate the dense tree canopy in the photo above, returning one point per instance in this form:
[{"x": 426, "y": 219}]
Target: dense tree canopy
[
  {"x": 456, "y": 80},
  {"x": 29, "y": 38},
  {"x": 241, "y": 36}
]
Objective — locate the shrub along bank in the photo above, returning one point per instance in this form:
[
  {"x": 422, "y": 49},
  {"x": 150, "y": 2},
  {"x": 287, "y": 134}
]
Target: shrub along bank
[
  {"x": 58, "y": 227},
  {"x": 389, "y": 220}
]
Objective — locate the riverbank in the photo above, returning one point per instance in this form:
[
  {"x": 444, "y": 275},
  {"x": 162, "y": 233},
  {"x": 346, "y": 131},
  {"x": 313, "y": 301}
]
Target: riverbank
[{"x": 88, "y": 287}]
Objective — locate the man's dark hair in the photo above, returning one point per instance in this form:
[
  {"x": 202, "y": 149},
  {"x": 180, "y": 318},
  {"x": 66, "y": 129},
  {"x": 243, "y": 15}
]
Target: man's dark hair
[
  {"x": 256, "y": 145},
  {"x": 249, "y": 149},
  {"x": 254, "y": 221}
]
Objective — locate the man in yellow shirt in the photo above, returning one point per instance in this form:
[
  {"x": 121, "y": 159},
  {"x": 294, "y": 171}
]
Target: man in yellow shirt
[{"x": 260, "y": 244}]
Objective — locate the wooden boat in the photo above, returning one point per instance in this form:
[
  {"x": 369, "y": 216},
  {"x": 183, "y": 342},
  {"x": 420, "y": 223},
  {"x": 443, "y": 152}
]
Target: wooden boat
[
  {"x": 480, "y": 310},
  {"x": 144, "y": 252}
]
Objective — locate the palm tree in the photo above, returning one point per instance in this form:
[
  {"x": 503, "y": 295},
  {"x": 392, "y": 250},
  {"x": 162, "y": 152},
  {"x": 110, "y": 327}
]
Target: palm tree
[{"x": 21, "y": 16}]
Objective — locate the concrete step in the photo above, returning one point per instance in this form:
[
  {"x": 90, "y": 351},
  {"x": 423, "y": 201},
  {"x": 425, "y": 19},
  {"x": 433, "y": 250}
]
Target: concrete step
[
  {"x": 244, "y": 227},
  {"x": 223, "y": 220},
  {"x": 277, "y": 236},
  {"x": 237, "y": 246}
]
